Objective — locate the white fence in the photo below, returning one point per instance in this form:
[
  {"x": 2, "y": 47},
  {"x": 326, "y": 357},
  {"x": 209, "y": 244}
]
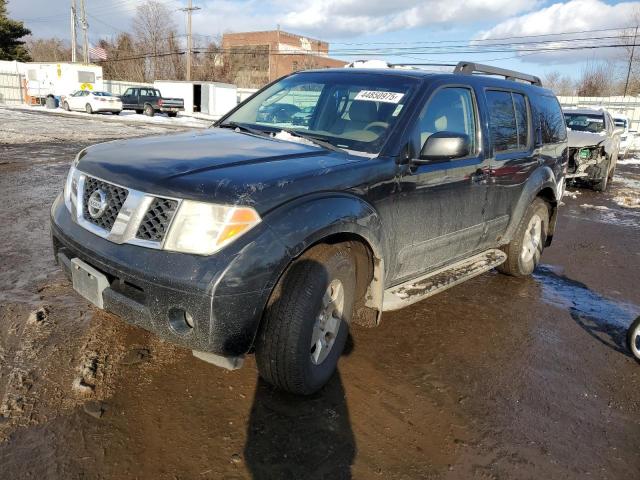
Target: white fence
[
  {"x": 118, "y": 88},
  {"x": 628, "y": 106},
  {"x": 11, "y": 92}
]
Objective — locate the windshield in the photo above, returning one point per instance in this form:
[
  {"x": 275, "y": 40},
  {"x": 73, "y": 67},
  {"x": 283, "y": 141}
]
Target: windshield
[
  {"x": 592, "y": 123},
  {"x": 354, "y": 111}
]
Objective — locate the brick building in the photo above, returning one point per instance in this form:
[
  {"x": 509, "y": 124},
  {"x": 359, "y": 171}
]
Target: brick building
[{"x": 256, "y": 58}]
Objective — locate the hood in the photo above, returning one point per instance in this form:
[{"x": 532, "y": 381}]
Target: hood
[
  {"x": 219, "y": 165},
  {"x": 584, "y": 139}
]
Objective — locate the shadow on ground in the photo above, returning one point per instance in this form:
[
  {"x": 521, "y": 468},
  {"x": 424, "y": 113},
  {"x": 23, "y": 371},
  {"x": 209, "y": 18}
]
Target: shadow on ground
[{"x": 605, "y": 319}]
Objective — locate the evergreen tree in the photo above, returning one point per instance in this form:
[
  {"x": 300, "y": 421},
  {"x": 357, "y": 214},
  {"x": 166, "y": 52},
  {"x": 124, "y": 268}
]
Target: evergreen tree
[{"x": 11, "y": 31}]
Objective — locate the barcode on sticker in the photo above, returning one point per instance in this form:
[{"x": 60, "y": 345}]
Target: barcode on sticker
[{"x": 377, "y": 96}]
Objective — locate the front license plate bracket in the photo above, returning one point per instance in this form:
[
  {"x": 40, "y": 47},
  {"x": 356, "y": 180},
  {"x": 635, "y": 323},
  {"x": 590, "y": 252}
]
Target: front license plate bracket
[{"x": 88, "y": 281}]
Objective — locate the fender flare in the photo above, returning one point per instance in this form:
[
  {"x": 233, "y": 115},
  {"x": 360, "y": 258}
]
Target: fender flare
[
  {"x": 285, "y": 233},
  {"x": 328, "y": 215},
  {"x": 542, "y": 182}
]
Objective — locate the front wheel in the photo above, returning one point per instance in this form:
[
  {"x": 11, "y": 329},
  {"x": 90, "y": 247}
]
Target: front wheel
[
  {"x": 306, "y": 323},
  {"x": 633, "y": 338},
  {"x": 601, "y": 184},
  {"x": 65, "y": 105},
  {"x": 525, "y": 249},
  {"x": 149, "y": 111},
  {"x": 88, "y": 109}
]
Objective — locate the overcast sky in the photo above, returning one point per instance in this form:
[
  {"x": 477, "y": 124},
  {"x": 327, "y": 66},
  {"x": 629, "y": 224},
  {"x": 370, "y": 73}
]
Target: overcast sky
[{"x": 355, "y": 24}]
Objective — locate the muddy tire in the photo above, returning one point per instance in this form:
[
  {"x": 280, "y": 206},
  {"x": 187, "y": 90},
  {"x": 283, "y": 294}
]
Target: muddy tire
[
  {"x": 633, "y": 339},
  {"x": 306, "y": 323},
  {"x": 602, "y": 183},
  {"x": 149, "y": 111},
  {"x": 88, "y": 109},
  {"x": 525, "y": 249}
]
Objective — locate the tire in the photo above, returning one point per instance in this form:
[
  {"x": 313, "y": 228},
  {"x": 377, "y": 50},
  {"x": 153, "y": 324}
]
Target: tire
[
  {"x": 523, "y": 253},
  {"x": 633, "y": 339},
  {"x": 65, "y": 106},
  {"x": 286, "y": 354},
  {"x": 172, "y": 114},
  {"x": 149, "y": 111},
  {"x": 88, "y": 109},
  {"x": 601, "y": 184}
]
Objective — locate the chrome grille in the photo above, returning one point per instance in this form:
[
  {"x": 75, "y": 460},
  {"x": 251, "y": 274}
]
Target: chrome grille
[
  {"x": 115, "y": 197},
  {"x": 157, "y": 219}
]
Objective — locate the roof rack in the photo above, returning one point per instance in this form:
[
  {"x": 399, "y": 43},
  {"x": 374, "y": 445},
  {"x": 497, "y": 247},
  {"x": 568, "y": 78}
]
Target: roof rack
[{"x": 469, "y": 68}]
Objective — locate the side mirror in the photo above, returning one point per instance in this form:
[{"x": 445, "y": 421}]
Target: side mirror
[{"x": 445, "y": 146}]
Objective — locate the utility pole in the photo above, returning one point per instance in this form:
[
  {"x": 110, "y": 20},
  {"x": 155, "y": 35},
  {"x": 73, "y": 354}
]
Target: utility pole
[
  {"x": 85, "y": 26},
  {"x": 74, "y": 23},
  {"x": 633, "y": 47},
  {"x": 189, "y": 10}
]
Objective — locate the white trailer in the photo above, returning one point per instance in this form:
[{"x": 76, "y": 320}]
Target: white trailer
[
  {"x": 57, "y": 79},
  {"x": 210, "y": 98}
]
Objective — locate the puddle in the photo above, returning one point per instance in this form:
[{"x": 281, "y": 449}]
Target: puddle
[{"x": 605, "y": 319}]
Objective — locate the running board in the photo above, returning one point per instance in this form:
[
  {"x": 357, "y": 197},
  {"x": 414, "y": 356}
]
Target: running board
[{"x": 420, "y": 288}]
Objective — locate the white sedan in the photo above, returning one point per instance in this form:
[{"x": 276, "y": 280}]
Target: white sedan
[{"x": 90, "y": 102}]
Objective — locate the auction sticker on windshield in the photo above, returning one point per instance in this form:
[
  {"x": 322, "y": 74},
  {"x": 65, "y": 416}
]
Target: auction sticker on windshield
[{"x": 377, "y": 96}]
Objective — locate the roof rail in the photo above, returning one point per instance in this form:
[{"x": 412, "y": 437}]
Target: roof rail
[{"x": 469, "y": 68}]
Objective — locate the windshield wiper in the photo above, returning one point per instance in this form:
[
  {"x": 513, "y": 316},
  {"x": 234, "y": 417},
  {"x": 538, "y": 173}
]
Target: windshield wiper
[
  {"x": 244, "y": 128},
  {"x": 311, "y": 138}
]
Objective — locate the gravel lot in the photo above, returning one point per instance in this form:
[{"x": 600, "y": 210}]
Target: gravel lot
[{"x": 495, "y": 378}]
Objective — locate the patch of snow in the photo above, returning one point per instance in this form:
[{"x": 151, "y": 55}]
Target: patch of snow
[
  {"x": 571, "y": 194},
  {"x": 286, "y": 136},
  {"x": 369, "y": 64},
  {"x": 595, "y": 207},
  {"x": 630, "y": 161}
]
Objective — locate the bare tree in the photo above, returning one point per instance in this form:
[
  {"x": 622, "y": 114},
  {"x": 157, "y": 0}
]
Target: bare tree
[
  {"x": 124, "y": 61},
  {"x": 48, "y": 50},
  {"x": 597, "y": 80},
  {"x": 155, "y": 33},
  {"x": 558, "y": 83}
]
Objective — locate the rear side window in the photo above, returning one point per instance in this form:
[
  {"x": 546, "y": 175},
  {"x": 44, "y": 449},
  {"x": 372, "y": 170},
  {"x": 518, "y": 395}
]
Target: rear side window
[
  {"x": 552, "y": 122},
  {"x": 508, "y": 120}
]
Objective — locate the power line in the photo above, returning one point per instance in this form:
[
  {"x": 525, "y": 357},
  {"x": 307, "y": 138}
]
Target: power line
[{"x": 235, "y": 52}]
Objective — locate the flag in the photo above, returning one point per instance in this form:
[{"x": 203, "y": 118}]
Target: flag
[{"x": 97, "y": 53}]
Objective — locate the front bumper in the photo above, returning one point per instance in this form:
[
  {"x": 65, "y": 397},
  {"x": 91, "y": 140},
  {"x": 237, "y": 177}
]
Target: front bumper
[{"x": 225, "y": 294}]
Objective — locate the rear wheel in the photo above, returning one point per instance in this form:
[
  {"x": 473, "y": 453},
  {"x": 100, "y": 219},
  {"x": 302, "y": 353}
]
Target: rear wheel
[
  {"x": 88, "y": 108},
  {"x": 305, "y": 326},
  {"x": 149, "y": 111},
  {"x": 525, "y": 249}
]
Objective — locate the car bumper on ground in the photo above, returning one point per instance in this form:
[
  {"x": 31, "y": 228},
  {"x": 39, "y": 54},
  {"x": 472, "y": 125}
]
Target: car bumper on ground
[{"x": 156, "y": 289}]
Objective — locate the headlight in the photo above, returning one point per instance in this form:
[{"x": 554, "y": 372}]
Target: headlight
[
  {"x": 71, "y": 190},
  {"x": 71, "y": 185},
  {"x": 204, "y": 228}
]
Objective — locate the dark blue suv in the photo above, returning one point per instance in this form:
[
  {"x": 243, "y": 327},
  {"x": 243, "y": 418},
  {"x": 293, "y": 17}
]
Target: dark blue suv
[{"x": 268, "y": 237}]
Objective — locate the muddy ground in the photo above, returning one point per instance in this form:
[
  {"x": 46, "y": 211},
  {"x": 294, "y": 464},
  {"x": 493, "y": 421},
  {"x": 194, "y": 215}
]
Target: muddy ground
[{"x": 496, "y": 378}]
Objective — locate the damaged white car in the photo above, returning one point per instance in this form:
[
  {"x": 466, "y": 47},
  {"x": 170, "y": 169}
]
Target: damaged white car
[{"x": 594, "y": 144}]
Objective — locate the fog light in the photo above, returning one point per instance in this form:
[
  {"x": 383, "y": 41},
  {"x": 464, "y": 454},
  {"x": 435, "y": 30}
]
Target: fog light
[{"x": 180, "y": 320}]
